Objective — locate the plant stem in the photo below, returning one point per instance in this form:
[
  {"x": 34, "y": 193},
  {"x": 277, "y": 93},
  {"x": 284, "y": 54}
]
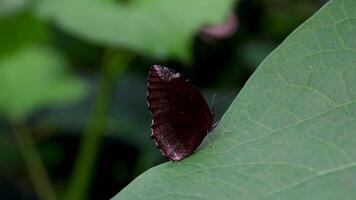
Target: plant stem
[
  {"x": 33, "y": 161},
  {"x": 90, "y": 142}
]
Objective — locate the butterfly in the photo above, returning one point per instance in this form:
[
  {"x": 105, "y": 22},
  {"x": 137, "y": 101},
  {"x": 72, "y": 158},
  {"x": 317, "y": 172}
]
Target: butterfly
[{"x": 181, "y": 117}]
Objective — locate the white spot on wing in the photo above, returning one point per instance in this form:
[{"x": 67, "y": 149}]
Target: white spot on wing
[
  {"x": 165, "y": 73},
  {"x": 162, "y": 152},
  {"x": 175, "y": 156}
]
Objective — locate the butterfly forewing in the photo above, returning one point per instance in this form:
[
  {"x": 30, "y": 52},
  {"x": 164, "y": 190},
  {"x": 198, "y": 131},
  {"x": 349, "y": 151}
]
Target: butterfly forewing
[{"x": 180, "y": 116}]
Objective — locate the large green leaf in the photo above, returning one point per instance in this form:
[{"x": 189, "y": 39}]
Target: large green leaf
[
  {"x": 293, "y": 126},
  {"x": 34, "y": 77},
  {"x": 158, "y": 28},
  {"x": 20, "y": 29}
]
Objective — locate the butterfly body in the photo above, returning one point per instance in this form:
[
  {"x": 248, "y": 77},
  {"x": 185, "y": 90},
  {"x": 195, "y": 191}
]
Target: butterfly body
[{"x": 180, "y": 116}]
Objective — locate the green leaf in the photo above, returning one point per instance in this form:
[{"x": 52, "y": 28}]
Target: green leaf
[
  {"x": 290, "y": 133},
  {"x": 157, "y": 28},
  {"x": 20, "y": 29},
  {"x": 8, "y": 7},
  {"x": 35, "y": 77}
]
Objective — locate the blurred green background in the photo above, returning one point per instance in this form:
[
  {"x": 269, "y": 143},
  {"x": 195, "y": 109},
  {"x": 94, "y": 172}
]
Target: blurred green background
[{"x": 73, "y": 117}]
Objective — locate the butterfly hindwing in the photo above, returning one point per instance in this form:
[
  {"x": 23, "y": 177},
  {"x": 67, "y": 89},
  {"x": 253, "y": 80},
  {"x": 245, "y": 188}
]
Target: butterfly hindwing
[{"x": 180, "y": 116}]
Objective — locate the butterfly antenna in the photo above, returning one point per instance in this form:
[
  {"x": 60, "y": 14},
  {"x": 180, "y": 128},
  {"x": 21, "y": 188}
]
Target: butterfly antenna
[
  {"x": 213, "y": 101},
  {"x": 222, "y": 99},
  {"x": 228, "y": 95},
  {"x": 212, "y": 110}
]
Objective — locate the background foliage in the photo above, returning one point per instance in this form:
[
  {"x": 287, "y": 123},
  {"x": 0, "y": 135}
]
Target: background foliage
[{"x": 73, "y": 114}]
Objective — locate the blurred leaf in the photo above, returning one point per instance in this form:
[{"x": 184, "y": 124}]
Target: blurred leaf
[
  {"x": 19, "y": 30},
  {"x": 9, "y": 155},
  {"x": 8, "y": 7},
  {"x": 157, "y": 28},
  {"x": 52, "y": 154},
  {"x": 33, "y": 78},
  {"x": 290, "y": 133},
  {"x": 253, "y": 52},
  {"x": 281, "y": 18}
]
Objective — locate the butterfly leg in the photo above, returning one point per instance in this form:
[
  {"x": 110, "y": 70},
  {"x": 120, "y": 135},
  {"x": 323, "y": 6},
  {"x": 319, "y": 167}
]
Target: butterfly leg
[
  {"x": 226, "y": 130},
  {"x": 215, "y": 125}
]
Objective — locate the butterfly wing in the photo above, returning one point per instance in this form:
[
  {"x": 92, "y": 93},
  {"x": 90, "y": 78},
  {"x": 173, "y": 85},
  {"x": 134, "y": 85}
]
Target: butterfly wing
[{"x": 180, "y": 116}]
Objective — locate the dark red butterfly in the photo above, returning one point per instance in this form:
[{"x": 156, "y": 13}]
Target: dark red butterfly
[{"x": 180, "y": 116}]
